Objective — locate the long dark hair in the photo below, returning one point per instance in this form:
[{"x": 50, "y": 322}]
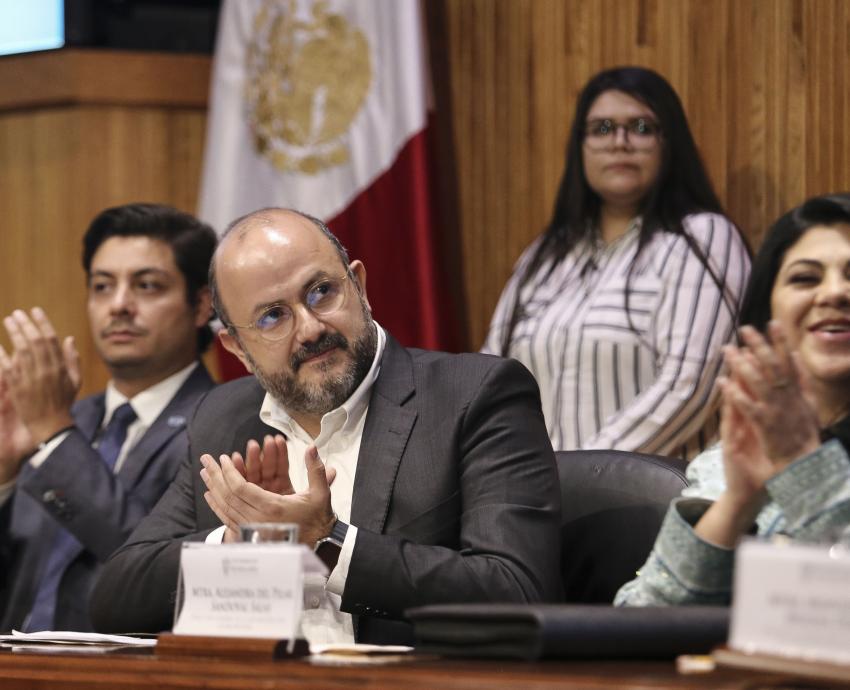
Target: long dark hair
[{"x": 682, "y": 186}]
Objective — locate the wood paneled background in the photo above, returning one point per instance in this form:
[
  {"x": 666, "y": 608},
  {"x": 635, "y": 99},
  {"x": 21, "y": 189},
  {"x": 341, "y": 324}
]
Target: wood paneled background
[
  {"x": 764, "y": 83},
  {"x": 81, "y": 131}
]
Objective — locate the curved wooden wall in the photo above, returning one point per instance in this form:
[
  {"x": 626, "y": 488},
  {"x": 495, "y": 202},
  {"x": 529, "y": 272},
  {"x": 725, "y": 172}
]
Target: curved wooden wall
[
  {"x": 765, "y": 83},
  {"x": 81, "y": 131}
]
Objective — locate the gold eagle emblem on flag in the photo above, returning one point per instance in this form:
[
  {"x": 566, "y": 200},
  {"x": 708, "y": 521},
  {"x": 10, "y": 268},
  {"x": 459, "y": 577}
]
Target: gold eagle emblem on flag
[{"x": 305, "y": 83}]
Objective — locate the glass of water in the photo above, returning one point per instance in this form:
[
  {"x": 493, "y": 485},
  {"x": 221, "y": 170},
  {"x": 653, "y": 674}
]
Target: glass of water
[{"x": 268, "y": 532}]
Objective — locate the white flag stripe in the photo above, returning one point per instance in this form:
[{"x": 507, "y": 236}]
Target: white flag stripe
[{"x": 236, "y": 179}]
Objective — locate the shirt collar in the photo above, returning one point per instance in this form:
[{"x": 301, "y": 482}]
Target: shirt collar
[
  {"x": 150, "y": 403},
  {"x": 595, "y": 239},
  {"x": 343, "y": 418},
  {"x": 634, "y": 226}
]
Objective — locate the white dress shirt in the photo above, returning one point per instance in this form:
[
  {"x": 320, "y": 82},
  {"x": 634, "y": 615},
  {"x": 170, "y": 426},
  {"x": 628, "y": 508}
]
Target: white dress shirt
[
  {"x": 338, "y": 444},
  {"x": 147, "y": 405}
]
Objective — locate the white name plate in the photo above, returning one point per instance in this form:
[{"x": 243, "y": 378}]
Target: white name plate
[
  {"x": 243, "y": 590},
  {"x": 792, "y": 600}
]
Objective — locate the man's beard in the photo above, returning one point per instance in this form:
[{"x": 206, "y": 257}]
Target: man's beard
[{"x": 328, "y": 394}]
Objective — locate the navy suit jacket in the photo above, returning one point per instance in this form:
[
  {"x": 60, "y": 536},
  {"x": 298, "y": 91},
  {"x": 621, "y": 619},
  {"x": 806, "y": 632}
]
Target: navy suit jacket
[
  {"x": 74, "y": 488},
  {"x": 456, "y": 497}
]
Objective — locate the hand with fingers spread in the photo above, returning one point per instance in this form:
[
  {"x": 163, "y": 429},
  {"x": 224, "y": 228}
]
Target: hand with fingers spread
[
  {"x": 15, "y": 440},
  {"x": 745, "y": 466},
  {"x": 266, "y": 466},
  {"x": 237, "y": 501},
  {"x": 771, "y": 390},
  {"x": 767, "y": 422},
  {"x": 42, "y": 375}
]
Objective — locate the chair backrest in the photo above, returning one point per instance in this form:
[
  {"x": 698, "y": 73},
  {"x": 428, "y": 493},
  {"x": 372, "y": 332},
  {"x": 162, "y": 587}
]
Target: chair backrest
[{"x": 613, "y": 503}]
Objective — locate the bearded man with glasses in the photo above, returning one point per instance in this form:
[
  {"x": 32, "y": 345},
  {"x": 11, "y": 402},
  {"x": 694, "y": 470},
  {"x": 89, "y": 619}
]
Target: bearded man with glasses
[{"x": 419, "y": 477}]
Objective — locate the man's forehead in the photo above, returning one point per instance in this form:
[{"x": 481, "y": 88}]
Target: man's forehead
[
  {"x": 141, "y": 269},
  {"x": 133, "y": 254},
  {"x": 278, "y": 233}
]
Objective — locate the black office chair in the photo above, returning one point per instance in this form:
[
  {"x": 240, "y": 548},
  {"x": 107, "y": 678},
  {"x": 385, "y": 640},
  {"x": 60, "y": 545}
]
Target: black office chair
[{"x": 613, "y": 504}]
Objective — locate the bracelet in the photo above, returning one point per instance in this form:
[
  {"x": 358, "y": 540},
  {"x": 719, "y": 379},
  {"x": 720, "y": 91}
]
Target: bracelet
[{"x": 43, "y": 444}]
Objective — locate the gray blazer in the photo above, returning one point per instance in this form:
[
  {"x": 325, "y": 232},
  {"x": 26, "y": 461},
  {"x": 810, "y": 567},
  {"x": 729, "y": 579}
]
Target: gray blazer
[
  {"x": 73, "y": 488},
  {"x": 455, "y": 498}
]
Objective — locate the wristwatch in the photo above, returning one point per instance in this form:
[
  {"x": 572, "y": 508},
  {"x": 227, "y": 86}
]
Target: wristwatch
[{"x": 328, "y": 548}]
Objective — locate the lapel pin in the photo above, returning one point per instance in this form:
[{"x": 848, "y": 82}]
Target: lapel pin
[{"x": 176, "y": 420}]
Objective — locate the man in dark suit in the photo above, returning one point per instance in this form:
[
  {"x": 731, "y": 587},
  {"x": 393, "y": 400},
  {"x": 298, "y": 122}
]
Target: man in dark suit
[
  {"x": 75, "y": 479},
  {"x": 419, "y": 477}
]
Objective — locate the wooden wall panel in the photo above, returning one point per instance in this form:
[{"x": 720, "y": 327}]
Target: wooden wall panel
[
  {"x": 58, "y": 168},
  {"x": 82, "y": 130},
  {"x": 764, "y": 83}
]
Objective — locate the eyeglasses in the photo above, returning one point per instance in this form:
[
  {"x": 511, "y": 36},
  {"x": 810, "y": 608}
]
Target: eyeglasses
[
  {"x": 641, "y": 133},
  {"x": 277, "y": 320}
]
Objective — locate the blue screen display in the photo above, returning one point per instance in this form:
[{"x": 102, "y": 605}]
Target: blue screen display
[{"x": 27, "y": 25}]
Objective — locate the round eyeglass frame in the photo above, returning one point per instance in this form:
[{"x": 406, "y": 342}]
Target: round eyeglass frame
[
  {"x": 265, "y": 335},
  {"x": 606, "y": 142}
]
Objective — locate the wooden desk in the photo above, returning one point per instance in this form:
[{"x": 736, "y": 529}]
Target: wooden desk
[{"x": 146, "y": 672}]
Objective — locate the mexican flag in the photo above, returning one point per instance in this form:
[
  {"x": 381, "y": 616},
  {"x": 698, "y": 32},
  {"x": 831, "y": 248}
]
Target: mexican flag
[{"x": 322, "y": 106}]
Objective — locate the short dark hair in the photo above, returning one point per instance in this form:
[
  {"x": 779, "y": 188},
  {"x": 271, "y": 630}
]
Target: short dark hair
[
  {"x": 682, "y": 186},
  {"x": 191, "y": 241},
  {"x": 263, "y": 215},
  {"x": 828, "y": 210}
]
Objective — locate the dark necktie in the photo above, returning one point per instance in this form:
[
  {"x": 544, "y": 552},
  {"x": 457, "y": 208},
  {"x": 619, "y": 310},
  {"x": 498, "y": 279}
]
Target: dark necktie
[{"x": 65, "y": 546}]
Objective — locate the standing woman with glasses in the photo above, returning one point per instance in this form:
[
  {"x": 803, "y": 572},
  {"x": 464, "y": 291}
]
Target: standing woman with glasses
[{"x": 620, "y": 308}]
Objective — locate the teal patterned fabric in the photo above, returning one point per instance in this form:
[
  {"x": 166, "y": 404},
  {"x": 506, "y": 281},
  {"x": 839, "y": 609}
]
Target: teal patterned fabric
[{"x": 809, "y": 501}]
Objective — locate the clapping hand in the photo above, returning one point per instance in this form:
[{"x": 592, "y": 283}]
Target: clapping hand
[
  {"x": 769, "y": 389},
  {"x": 266, "y": 466},
  {"x": 42, "y": 376},
  {"x": 257, "y": 488},
  {"x": 768, "y": 420},
  {"x": 15, "y": 440}
]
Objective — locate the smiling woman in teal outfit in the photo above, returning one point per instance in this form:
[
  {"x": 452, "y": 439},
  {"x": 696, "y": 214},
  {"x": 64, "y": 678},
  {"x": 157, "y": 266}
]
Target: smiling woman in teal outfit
[{"x": 782, "y": 466}]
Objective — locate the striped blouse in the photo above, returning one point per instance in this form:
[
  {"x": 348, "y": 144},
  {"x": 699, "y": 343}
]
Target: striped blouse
[{"x": 642, "y": 379}]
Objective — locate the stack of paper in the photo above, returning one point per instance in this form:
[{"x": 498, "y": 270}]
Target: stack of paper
[{"x": 64, "y": 642}]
